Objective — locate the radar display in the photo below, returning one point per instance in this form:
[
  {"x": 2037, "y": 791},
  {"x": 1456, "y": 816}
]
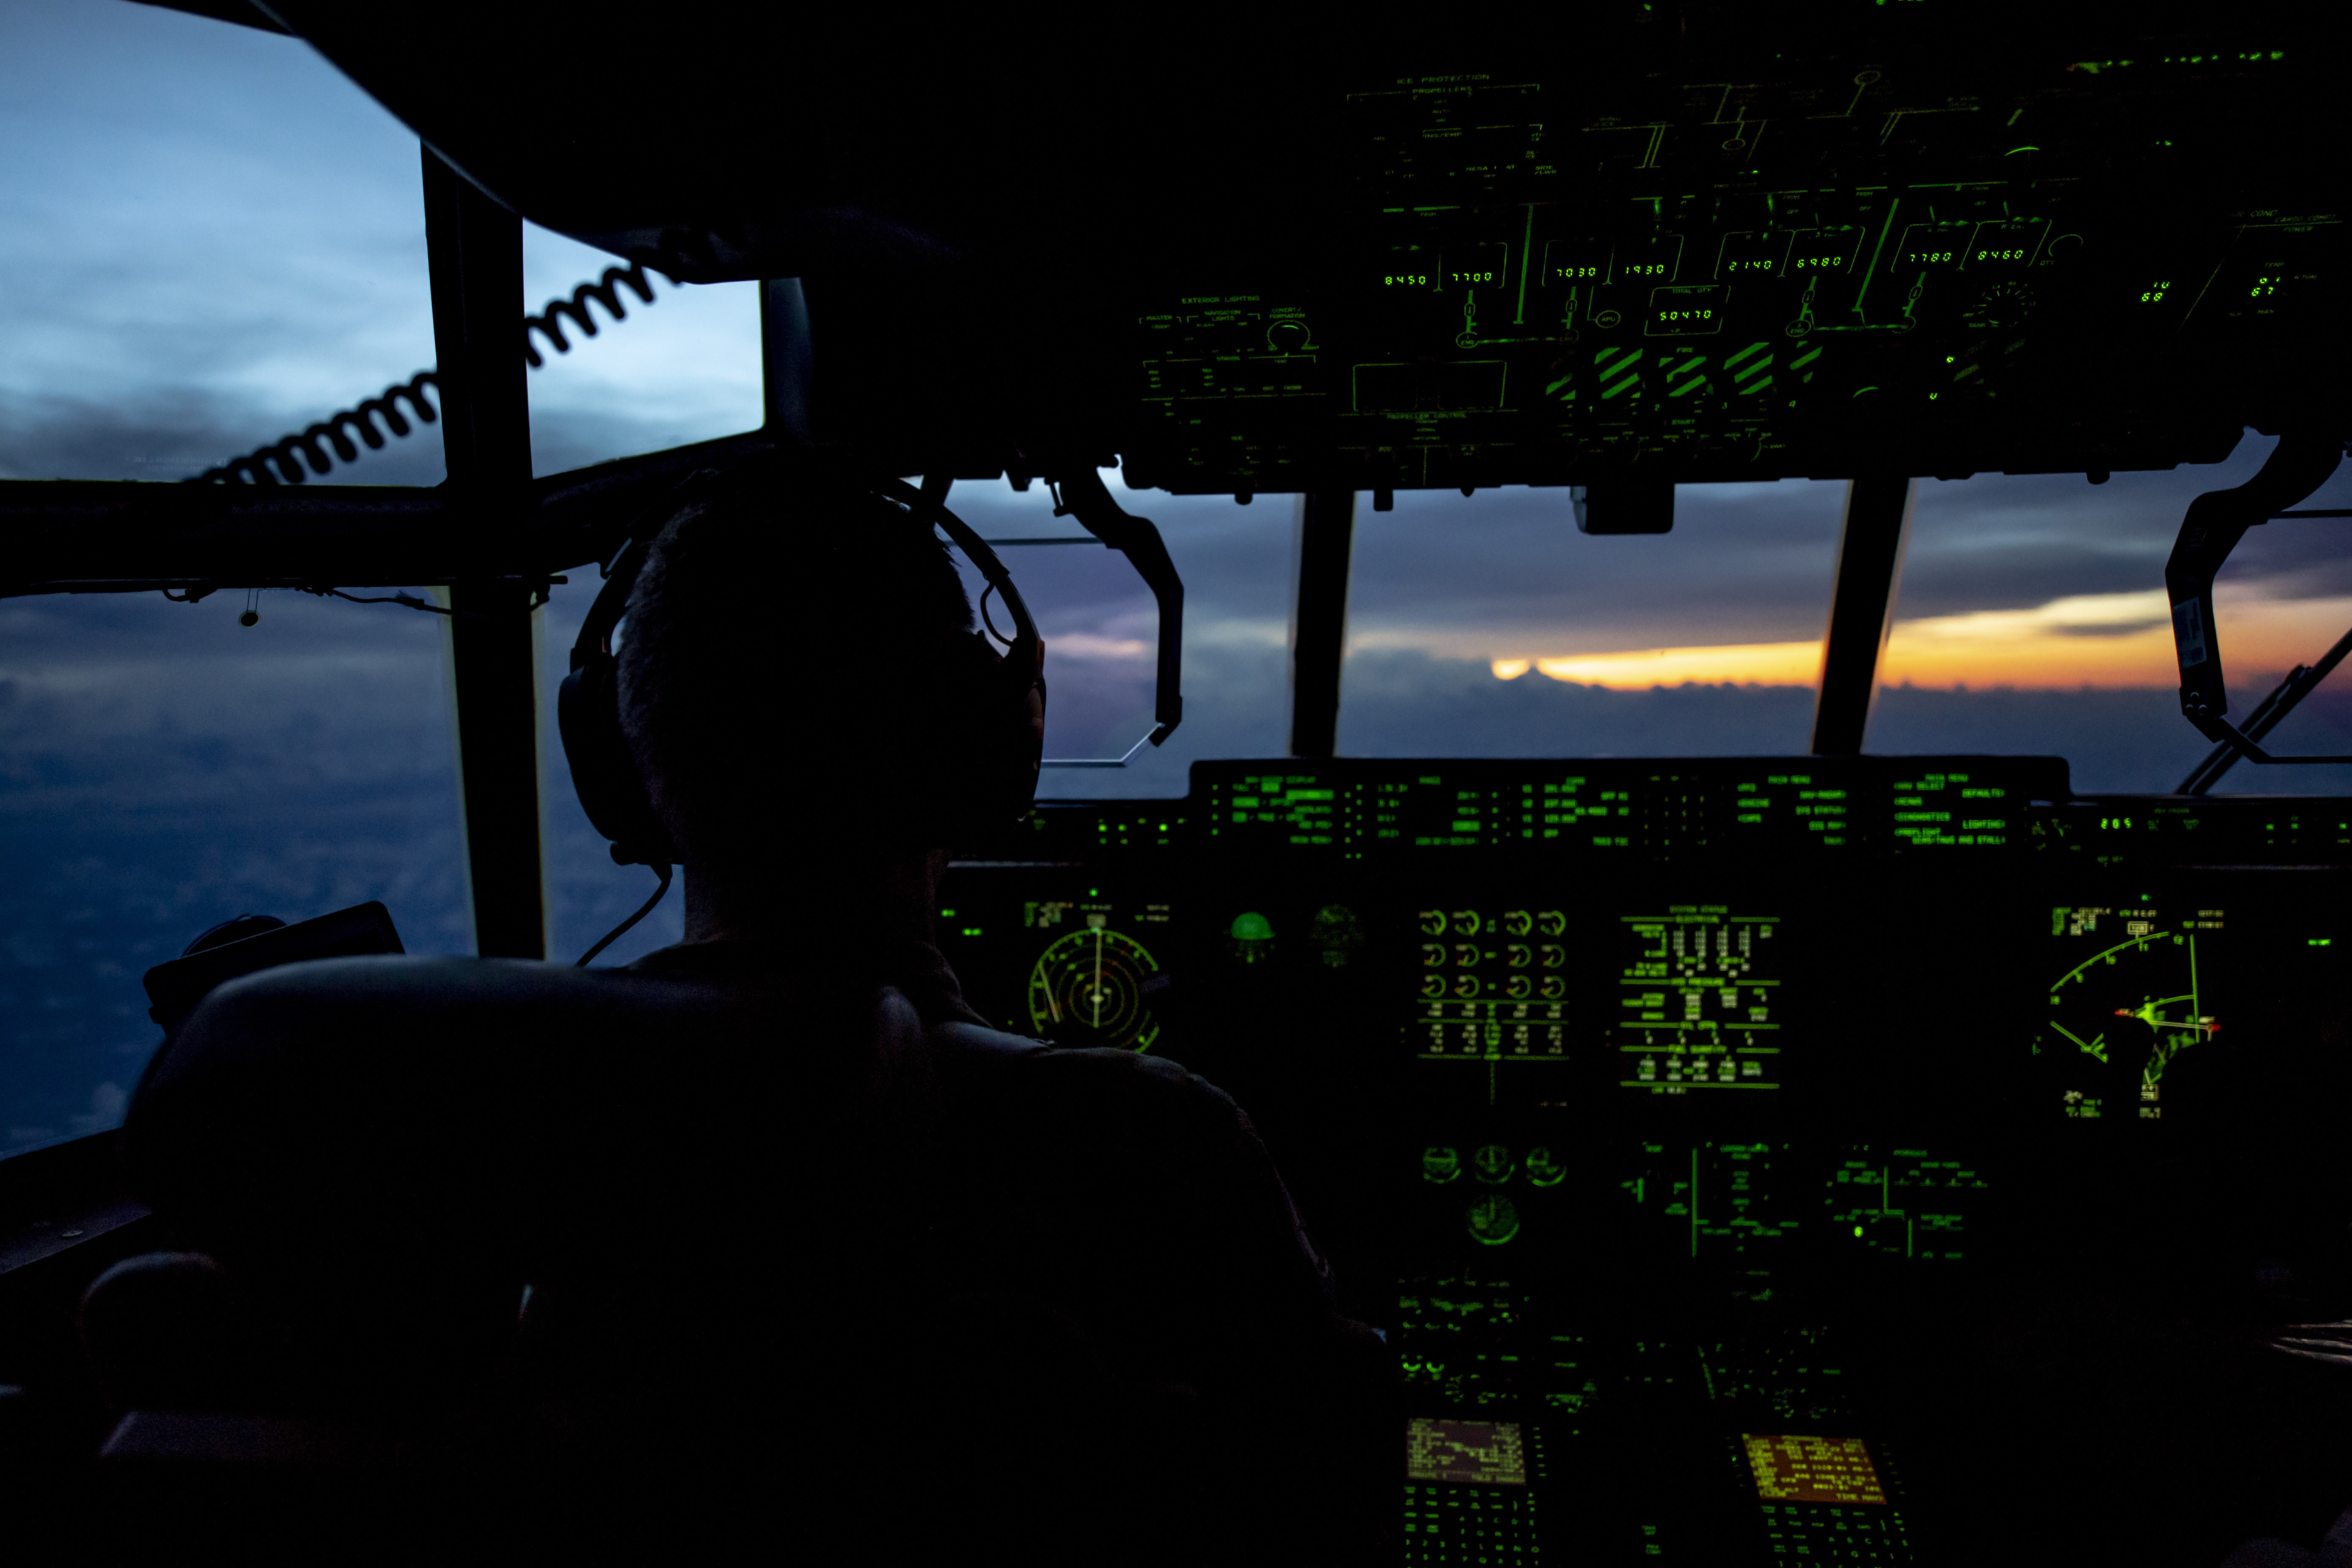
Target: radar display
[
  {"x": 1092, "y": 986},
  {"x": 1095, "y": 986},
  {"x": 2128, "y": 1002},
  {"x": 1698, "y": 1002}
]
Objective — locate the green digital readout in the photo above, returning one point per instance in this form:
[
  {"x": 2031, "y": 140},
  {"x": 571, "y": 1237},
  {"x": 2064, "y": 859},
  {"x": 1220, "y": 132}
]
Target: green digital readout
[
  {"x": 1574, "y": 263},
  {"x": 1814, "y": 252},
  {"x": 1477, "y": 266},
  {"x": 1712, "y": 1198},
  {"x": 1688, "y": 312},
  {"x": 2006, "y": 246},
  {"x": 1620, "y": 810},
  {"x": 1904, "y": 1203},
  {"x": 1698, "y": 1001},
  {"x": 1952, "y": 810},
  {"x": 1752, "y": 254},
  {"x": 1646, "y": 258},
  {"x": 1933, "y": 247}
]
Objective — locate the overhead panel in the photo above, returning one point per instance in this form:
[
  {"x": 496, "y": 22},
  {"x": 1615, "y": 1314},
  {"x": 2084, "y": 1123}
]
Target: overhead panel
[{"x": 1805, "y": 268}]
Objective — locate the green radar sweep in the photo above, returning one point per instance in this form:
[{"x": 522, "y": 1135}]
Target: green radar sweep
[{"x": 1093, "y": 987}]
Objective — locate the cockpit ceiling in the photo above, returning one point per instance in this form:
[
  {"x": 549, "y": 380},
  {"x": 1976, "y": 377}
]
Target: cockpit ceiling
[{"x": 1677, "y": 243}]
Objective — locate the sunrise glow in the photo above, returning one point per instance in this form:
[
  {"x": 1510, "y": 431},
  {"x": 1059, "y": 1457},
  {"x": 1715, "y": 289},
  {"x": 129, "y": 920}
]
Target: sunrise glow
[{"x": 2092, "y": 639}]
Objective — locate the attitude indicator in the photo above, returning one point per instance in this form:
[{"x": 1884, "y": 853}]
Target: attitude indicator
[{"x": 1094, "y": 987}]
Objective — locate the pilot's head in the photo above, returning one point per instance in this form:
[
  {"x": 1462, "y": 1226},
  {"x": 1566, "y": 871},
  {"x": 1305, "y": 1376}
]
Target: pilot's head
[{"x": 787, "y": 674}]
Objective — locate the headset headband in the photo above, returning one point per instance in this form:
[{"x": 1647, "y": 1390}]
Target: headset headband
[{"x": 1024, "y": 651}]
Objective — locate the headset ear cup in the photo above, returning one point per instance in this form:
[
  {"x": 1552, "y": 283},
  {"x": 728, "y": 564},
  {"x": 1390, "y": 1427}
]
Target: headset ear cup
[
  {"x": 603, "y": 772},
  {"x": 1026, "y": 746},
  {"x": 984, "y": 779}
]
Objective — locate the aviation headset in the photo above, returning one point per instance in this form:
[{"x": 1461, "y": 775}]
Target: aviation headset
[{"x": 992, "y": 751}]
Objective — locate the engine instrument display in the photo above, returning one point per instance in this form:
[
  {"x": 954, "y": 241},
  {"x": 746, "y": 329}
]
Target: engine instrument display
[{"x": 1697, "y": 1001}]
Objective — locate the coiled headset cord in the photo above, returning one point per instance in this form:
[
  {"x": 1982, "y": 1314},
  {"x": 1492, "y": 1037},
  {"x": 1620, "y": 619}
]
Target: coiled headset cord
[{"x": 281, "y": 461}]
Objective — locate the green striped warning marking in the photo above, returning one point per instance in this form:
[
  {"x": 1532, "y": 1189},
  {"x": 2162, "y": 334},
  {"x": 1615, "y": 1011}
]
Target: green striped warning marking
[{"x": 1614, "y": 364}]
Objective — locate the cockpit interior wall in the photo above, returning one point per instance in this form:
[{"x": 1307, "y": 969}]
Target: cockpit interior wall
[
  {"x": 1757, "y": 1158},
  {"x": 1681, "y": 242}
]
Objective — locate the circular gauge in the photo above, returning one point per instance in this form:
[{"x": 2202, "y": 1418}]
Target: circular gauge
[
  {"x": 1494, "y": 1219},
  {"x": 1091, "y": 989},
  {"x": 2002, "y": 304}
]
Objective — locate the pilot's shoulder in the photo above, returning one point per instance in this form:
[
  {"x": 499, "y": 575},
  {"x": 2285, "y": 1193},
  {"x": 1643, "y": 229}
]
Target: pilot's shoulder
[
  {"x": 1116, "y": 1092},
  {"x": 419, "y": 987},
  {"x": 423, "y": 1007}
]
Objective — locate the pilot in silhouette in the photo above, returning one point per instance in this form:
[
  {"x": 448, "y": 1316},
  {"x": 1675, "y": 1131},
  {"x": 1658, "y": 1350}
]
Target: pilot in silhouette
[{"x": 768, "y": 1235}]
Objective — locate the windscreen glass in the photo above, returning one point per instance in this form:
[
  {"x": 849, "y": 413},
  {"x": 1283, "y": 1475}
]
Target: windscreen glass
[
  {"x": 212, "y": 240},
  {"x": 164, "y": 768},
  {"x": 630, "y": 362},
  {"x": 2032, "y": 618},
  {"x": 1102, "y": 631},
  {"x": 1488, "y": 625}
]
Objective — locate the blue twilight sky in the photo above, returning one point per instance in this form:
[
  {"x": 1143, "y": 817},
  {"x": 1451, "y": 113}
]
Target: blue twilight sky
[{"x": 210, "y": 238}]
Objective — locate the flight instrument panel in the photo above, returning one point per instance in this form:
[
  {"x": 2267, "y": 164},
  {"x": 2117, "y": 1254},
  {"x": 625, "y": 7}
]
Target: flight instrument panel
[{"x": 1718, "y": 1141}]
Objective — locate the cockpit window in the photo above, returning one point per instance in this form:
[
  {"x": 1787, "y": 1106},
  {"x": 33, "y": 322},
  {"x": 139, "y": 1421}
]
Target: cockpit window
[
  {"x": 1489, "y": 626},
  {"x": 2032, "y": 618},
  {"x": 1102, "y": 631},
  {"x": 683, "y": 367},
  {"x": 164, "y": 768},
  {"x": 212, "y": 238}
]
